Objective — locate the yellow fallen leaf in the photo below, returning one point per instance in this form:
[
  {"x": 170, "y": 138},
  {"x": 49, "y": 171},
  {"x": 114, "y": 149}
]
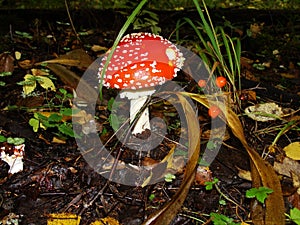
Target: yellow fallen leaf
[
  {"x": 57, "y": 140},
  {"x": 107, "y": 220},
  {"x": 18, "y": 55},
  {"x": 46, "y": 83},
  {"x": 63, "y": 219},
  {"x": 293, "y": 150},
  {"x": 30, "y": 86}
]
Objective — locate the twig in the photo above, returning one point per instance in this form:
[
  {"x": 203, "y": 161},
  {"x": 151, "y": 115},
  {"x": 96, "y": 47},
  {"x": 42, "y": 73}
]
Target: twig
[
  {"x": 71, "y": 21},
  {"x": 94, "y": 199}
]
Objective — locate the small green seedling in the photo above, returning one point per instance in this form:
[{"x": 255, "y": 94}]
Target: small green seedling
[
  {"x": 151, "y": 197},
  {"x": 15, "y": 141},
  {"x": 210, "y": 184},
  {"x": 2, "y": 138},
  {"x": 294, "y": 215},
  {"x": 10, "y": 140},
  {"x": 169, "y": 177},
  {"x": 219, "y": 219},
  {"x": 55, "y": 120},
  {"x": 4, "y": 74},
  {"x": 260, "y": 193}
]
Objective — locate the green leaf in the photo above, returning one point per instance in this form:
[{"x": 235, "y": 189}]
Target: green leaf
[
  {"x": 110, "y": 104},
  {"x": 63, "y": 91},
  {"x": 219, "y": 219},
  {"x": 169, "y": 177},
  {"x": 151, "y": 197},
  {"x": 55, "y": 117},
  {"x": 68, "y": 111},
  {"x": 15, "y": 141},
  {"x": 3, "y": 74},
  {"x": 211, "y": 145},
  {"x": 295, "y": 215},
  {"x": 260, "y": 193},
  {"x": 66, "y": 129},
  {"x": 210, "y": 184},
  {"x": 35, "y": 123},
  {"x": 2, "y": 138}
]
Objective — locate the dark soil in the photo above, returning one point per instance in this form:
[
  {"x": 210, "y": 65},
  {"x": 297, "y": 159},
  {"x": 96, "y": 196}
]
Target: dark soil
[{"x": 56, "y": 178}]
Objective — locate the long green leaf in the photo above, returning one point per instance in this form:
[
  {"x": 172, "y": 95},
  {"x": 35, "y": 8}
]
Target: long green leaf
[{"x": 129, "y": 20}]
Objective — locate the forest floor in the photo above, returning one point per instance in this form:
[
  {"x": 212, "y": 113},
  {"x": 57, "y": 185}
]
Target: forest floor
[{"x": 56, "y": 177}]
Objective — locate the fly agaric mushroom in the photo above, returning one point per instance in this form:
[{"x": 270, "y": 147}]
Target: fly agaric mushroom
[{"x": 140, "y": 62}]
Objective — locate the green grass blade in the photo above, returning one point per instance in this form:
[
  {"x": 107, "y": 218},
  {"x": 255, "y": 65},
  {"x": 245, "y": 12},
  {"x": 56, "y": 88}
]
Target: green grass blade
[{"x": 129, "y": 20}]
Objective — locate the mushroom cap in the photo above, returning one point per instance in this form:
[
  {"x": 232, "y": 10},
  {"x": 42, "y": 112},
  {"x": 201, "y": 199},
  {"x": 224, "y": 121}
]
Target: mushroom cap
[{"x": 141, "y": 60}]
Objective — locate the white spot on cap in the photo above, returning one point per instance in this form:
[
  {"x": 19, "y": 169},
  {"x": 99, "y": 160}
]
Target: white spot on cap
[
  {"x": 116, "y": 86},
  {"x": 124, "y": 51},
  {"x": 171, "y": 53},
  {"x": 133, "y": 67},
  {"x": 119, "y": 80},
  {"x": 155, "y": 70},
  {"x": 127, "y": 75},
  {"x": 144, "y": 77},
  {"x": 145, "y": 54},
  {"x": 153, "y": 64}
]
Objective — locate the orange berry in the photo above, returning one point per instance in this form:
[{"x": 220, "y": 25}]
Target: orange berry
[
  {"x": 202, "y": 83},
  {"x": 221, "y": 81},
  {"x": 214, "y": 111}
]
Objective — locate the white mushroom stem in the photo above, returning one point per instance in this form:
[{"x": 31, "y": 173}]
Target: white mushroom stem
[
  {"x": 137, "y": 100},
  {"x": 143, "y": 121}
]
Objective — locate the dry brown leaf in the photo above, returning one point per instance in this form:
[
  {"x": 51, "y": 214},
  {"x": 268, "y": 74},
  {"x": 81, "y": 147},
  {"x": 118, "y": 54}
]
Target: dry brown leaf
[
  {"x": 262, "y": 172},
  {"x": 170, "y": 210},
  {"x": 77, "y": 57},
  {"x": 83, "y": 91},
  {"x": 6, "y": 63},
  {"x": 287, "y": 166}
]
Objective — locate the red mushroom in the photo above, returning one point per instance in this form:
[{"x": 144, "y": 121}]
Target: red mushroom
[{"x": 140, "y": 62}]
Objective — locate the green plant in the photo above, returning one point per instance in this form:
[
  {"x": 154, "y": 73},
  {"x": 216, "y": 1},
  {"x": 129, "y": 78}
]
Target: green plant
[
  {"x": 169, "y": 177},
  {"x": 54, "y": 120},
  {"x": 11, "y": 140},
  {"x": 219, "y": 219},
  {"x": 210, "y": 184},
  {"x": 4, "y": 74},
  {"x": 260, "y": 193},
  {"x": 220, "y": 52},
  {"x": 294, "y": 215},
  {"x": 146, "y": 20},
  {"x": 151, "y": 197},
  {"x": 38, "y": 76}
]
